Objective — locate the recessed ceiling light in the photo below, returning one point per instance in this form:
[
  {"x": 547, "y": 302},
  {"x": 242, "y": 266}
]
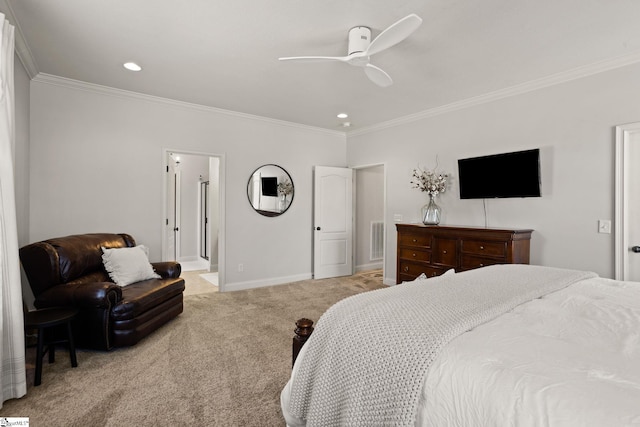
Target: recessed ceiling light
[
  {"x": 343, "y": 115},
  {"x": 132, "y": 66}
]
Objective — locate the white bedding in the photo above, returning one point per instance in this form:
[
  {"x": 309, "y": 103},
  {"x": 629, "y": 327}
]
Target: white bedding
[{"x": 569, "y": 358}]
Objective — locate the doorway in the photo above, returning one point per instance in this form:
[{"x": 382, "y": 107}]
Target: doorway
[
  {"x": 627, "y": 209},
  {"x": 370, "y": 228},
  {"x": 349, "y": 221},
  {"x": 173, "y": 212},
  {"x": 193, "y": 220}
]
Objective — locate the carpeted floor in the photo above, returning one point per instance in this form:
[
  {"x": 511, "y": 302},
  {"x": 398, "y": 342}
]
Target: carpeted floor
[{"x": 222, "y": 362}]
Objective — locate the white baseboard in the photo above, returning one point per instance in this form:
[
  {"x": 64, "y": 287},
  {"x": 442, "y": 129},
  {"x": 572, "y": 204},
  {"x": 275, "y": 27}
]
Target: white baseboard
[
  {"x": 252, "y": 284},
  {"x": 370, "y": 266}
]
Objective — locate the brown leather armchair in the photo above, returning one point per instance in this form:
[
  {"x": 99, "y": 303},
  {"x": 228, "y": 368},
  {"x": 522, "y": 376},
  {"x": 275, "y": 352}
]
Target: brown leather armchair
[{"x": 68, "y": 271}]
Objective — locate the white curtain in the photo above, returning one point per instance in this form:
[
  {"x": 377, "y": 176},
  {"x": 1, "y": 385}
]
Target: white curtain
[{"x": 13, "y": 382}]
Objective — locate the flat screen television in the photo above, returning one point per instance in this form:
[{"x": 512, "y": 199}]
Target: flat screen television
[
  {"x": 270, "y": 186},
  {"x": 515, "y": 174}
]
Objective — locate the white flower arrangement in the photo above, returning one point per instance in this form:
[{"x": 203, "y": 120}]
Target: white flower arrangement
[
  {"x": 429, "y": 181},
  {"x": 285, "y": 187}
]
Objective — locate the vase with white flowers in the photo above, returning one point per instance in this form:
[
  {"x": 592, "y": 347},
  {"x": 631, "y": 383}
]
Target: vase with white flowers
[
  {"x": 284, "y": 189},
  {"x": 432, "y": 183}
]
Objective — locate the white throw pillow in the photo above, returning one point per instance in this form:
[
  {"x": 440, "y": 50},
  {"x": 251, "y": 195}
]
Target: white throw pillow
[{"x": 128, "y": 265}]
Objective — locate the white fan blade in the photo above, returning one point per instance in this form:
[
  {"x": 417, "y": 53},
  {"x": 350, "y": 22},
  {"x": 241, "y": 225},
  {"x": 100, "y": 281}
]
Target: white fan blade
[
  {"x": 378, "y": 76},
  {"x": 315, "y": 58},
  {"x": 395, "y": 34}
]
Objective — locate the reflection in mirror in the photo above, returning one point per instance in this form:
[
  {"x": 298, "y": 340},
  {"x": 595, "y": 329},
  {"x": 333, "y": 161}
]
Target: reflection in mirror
[{"x": 270, "y": 190}]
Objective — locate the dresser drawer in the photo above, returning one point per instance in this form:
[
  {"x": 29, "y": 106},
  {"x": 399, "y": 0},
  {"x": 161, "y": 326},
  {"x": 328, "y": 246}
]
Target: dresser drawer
[
  {"x": 414, "y": 254},
  {"x": 478, "y": 247},
  {"x": 470, "y": 262},
  {"x": 410, "y": 271},
  {"x": 415, "y": 239},
  {"x": 444, "y": 252}
]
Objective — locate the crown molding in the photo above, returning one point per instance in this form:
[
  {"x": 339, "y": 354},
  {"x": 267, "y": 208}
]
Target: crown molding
[
  {"x": 530, "y": 86},
  {"x": 121, "y": 93},
  {"x": 21, "y": 47}
]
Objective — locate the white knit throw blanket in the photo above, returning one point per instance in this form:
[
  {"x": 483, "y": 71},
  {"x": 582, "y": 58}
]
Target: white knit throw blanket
[{"x": 369, "y": 355}]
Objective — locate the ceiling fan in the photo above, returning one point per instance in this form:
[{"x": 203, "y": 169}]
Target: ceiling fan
[{"x": 361, "y": 48}]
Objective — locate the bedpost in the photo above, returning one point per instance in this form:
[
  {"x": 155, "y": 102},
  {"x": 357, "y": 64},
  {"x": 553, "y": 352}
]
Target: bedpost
[{"x": 303, "y": 330}]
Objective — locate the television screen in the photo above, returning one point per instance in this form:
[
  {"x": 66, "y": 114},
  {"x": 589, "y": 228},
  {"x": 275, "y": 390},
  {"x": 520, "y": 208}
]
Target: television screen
[
  {"x": 514, "y": 174},
  {"x": 270, "y": 186}
]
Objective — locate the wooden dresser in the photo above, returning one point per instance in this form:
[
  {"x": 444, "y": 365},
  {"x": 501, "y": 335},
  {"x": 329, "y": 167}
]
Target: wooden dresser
[{"x": 435, "y": 249}]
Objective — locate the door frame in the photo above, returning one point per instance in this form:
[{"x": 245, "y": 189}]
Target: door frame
[
  {"x": 384, "y": 213},
  {"x": 622, "y": 167},
  {"x": 221, "y": 208}
]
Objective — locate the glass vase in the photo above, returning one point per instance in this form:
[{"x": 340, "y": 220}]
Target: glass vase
[
  {"x": 283, "y": 203},
  {"x": 431, "y": 212}
]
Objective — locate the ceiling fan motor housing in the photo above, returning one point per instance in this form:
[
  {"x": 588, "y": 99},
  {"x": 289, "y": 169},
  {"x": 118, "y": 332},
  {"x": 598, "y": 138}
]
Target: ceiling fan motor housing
[{"x": 359, "y": 39}]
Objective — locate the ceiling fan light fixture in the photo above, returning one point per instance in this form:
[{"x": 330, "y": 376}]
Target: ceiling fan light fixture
[
  {"x": 132, "y": 66},
  {"x": 361, "y": 47}
]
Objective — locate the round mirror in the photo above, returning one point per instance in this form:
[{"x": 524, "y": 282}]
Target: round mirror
[{"x": 270, "y": 190}]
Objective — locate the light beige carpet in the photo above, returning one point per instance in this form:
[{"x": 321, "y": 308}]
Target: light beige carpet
[{"x": 222, "y": 362}]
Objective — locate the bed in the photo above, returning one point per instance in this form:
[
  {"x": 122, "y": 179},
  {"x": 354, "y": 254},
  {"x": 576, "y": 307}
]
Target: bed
[{"x": 501, "y": 345}]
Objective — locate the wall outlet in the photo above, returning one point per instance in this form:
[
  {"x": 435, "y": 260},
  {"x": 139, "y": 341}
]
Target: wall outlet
[
  {"x": 604, "y": 226},
  {"x": 397, "y": 217},
  {"x": 240, "y": 267}
]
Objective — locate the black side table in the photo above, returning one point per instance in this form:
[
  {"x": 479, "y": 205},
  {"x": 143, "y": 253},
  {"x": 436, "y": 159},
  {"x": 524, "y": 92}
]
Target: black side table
[{"x": 45, "y": 319}]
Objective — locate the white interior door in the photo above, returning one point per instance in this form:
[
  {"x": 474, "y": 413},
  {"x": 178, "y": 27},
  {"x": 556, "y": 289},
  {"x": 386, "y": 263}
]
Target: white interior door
[
  {"x": 204, "y": 219},
  {"x": 628, "y": 202},
  {"x": 172, "y": 223},
  {"x": 333, "y": 222}
]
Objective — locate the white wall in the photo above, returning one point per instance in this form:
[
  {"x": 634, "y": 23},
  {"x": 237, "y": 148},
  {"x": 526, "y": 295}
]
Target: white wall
[
  {"x": 21, "y": 150},
  {"x": 573, "y": 124},
  {"x": 96, "y": 165},
  {"x": 21, "y": 163},
  {"x": 80, "y": 181}
]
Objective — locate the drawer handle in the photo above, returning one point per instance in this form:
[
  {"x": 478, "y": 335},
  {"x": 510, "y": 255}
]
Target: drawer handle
[
  {"x": 482, "y": 248},
  {"x": 444, "y": 252},
  {"x": 481, "y": 265},
  {"x": 415, "y": 240},
  {"x": 414, "y": 255},
  {"x": 406, "y": 269}
]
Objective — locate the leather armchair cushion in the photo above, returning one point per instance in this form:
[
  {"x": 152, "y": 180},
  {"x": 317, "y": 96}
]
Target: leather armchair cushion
[{"x": 140, "y": 297}]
